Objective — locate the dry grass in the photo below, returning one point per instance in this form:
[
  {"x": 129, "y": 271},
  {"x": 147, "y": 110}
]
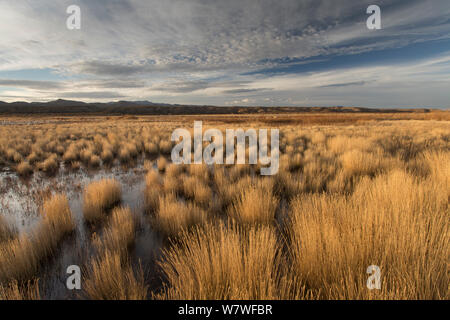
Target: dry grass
[
  {"x": 16, "y": 291},
  {"x": 120, "y": 234},
  {"x": 255, "y": 205},
  {"x": 49, "y": 165},
  {"x": 161, "y": 164},
  {"x": 110, "y": 275},
  {"x": 345, "y": 197},
  {"x": 174, "y": 216},
  {"x": 24, "y": 169},
  {"x": 22, "y": 257},
  {"x": 98, "y": 197},
  {"x": 394, "y": 221},
  {"x": 152, "y": 191},
  {"x": 171, "y": 185},
  {"x": 56, "y": 213},
  {"x": 75, "y": 139},
  {"x": 194, "y": 188},
  {"x": 19, "y": 260},
  {"x": 226, "y": 262},
  {"x": 109, "y": 278},
  {"x": 7, "y": 232}
]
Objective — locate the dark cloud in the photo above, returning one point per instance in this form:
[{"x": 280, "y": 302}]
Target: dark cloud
[{"x": 345, "y": 84}]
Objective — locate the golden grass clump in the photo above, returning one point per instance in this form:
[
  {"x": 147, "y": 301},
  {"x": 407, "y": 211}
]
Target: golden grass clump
[
  {"x": 124, "y": 155},
  {"x": 71, "y": 154},
  {"x": 94, "y": 161},
  {"x": 56, "y": 213},
  {"x": 356, "y": 163},
  {"x": 49, "y": 165},
  {"x": 295, "y": 162},
  {"x": 255, "y": 204},
  {"x": 13, "y": 156},
  {"x": 439, "y": 165},
  {"x": 21, "y": 257},
  {"x": 120, "y": 234},
  {"x": 24, "y": 169},
  {"x": 342, "y": 143},
  {"x": 200, "y": 171},
  {"x": 161, "y": 164},
  {"x": 110, "y": 275},
  {"x": 165, "y": 147},
  {"x": 288, "y": 185},
  {"x": 174, "y": 170},
  {"x": 152, "y": 191},
  {"x": 98, "y": 197},
  {"x": 85, "y": 155},
  {"x": 225, "y": 261},
  {"x": 18, "y": 258},
  {"x": 110, "y": 278},
  {"x": 107, "y": 156},
  {"x": 18, "y": 292},
  {"x": 394, "y": 221},
  {"x": 33, "y": 158},
  {"x": 151, "y": 148},
  {"x": 197, "y": 190},
  {"x": 171, "y": 184},
  {"x": 173, "y": 216},
  {"x": 7, "y": 232}
]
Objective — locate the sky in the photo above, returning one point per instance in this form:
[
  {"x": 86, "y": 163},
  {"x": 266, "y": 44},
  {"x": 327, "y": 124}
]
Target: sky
[{"x": 228, "y": 52}]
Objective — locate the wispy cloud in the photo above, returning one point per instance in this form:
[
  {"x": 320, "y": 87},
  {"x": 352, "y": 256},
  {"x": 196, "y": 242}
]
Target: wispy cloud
[
  {"x": 344, "y": 84},
  {"x": 31, "y": 84}
]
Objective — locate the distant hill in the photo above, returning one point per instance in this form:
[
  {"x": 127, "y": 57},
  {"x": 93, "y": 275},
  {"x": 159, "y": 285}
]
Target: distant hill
[{"x": 67, "y": 107}]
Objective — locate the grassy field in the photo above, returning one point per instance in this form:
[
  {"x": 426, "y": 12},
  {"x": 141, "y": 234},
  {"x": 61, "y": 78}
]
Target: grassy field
[{"x": 353, "y": 190}]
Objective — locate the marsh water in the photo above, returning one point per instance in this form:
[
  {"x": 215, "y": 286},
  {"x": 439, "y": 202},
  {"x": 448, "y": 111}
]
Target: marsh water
[{"x": 20, "y": 201}]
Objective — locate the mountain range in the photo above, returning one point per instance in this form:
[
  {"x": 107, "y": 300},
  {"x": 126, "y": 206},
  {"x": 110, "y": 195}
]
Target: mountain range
[{"x": 69, "y": 107}]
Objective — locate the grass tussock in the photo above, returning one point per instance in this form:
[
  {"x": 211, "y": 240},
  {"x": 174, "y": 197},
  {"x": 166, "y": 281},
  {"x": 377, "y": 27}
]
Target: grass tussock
[
  {"x": 23, "y": 256},
  {"x": 254, "y": 205},
  {"x": 393, "y": 221},
  {"x": 194, "y": 188},
  {"x": 153, "y": 188},
  {"x": 120, "y": 234},
  {"x": 162, "y": 164},
  {"x": 98, "y": 197},
  {"x": 110, "y": 278},
  {"x": 109, "y": 275},
  {"x": 226, "y": 262},
  {"x": 174, "y": 216},
  {"x": 7, "y": 232},
  {"x": 57, "y": 214},
  {"x": 24, "y": 169},
  {"x": 16, "y": 291}
]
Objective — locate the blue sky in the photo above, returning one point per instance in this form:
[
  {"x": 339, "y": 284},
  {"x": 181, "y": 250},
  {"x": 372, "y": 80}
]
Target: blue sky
[{"x": 234, "y": 52}]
